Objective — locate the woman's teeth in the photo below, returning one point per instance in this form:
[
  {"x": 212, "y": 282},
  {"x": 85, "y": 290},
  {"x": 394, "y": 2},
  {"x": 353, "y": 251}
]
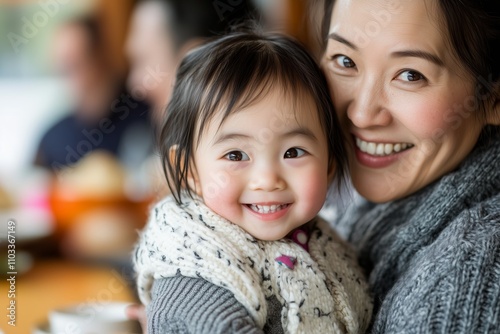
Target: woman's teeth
[
  {"x": 380, "y": 148},
  {"x": 267, "y": 208}
]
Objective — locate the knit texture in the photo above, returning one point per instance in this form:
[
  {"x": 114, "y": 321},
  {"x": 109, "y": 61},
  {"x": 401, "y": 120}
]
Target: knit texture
[
  {"x": 325, "y": 291},
  {"x": 193, "y": 306},
  {"x": 434, "y": 257}
]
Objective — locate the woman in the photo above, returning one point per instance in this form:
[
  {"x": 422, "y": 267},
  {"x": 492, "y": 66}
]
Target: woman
[{"x": 417, "y": 87}]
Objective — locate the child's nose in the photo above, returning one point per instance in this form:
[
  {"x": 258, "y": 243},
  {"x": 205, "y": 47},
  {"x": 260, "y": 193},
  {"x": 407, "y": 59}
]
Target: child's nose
[{"x": 267, "y": 179}]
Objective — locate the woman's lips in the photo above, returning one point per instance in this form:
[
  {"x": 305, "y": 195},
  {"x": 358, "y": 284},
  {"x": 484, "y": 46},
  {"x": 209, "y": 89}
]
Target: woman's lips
[{"x": 378, "y": 154}]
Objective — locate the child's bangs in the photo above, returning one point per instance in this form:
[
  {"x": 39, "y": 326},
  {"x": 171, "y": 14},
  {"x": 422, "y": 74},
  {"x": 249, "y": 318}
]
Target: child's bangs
[{"x": 247, "y": 75}]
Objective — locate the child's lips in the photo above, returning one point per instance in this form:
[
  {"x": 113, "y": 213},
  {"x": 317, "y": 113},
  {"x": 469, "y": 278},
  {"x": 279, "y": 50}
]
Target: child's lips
[{"x": 268, "y": 211}]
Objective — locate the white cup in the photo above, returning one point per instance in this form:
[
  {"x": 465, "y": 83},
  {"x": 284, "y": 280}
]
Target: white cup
[{"x": 92, "y": 318}]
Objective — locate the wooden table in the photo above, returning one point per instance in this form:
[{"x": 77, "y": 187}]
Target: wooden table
[{"x": 54, "y": 284}]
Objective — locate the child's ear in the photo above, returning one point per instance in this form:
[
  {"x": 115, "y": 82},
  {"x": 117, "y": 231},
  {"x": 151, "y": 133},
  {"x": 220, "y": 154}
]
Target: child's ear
[
  {"x": 193, "y": 180},
  {"x": 192, "y": 175}
]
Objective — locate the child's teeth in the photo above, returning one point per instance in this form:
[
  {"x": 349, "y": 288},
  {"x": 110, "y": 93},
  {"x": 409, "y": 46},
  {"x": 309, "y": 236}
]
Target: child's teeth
[{"x": 266, "y": 208}]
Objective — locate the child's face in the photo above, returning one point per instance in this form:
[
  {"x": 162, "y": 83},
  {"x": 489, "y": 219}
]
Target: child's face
[{"x": 265, "y": 168}]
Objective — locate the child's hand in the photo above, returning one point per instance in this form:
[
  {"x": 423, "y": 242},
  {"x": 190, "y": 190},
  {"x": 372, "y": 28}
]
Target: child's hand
[{"x": 137, "y": 312}]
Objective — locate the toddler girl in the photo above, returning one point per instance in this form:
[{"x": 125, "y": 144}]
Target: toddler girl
[{"x": 250, "y": 145}]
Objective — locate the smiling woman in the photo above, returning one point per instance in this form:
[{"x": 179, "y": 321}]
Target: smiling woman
[
  {"x": 416, "y": 85},
  {"x": 409, "y": 92}
]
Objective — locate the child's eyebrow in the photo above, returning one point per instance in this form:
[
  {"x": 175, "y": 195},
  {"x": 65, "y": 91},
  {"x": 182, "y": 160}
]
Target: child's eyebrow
[
  {"x": 301, "y": 131},
  {"x": 229, "y": 136}
]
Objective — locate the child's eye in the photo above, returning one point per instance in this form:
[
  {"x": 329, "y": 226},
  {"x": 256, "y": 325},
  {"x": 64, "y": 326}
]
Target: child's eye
[
  {"x": 237, "y": 156},
  {"x": 294, "y": 153}
]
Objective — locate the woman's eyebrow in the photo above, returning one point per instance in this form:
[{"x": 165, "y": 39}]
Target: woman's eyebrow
[
  {"x": 342, "y": 40},
  {"x": 398, "y": 54},
  {"x": 418, "y": 54}
]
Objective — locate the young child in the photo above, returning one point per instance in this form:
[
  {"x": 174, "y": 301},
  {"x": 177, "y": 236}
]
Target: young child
[{"x": 250, "y": 145}]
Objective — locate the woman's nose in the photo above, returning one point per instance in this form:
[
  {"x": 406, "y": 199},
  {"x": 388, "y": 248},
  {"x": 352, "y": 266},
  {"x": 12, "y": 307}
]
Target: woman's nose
[
  {"x": 267, "y": 178},
  {"x": 368, "y": 105}
]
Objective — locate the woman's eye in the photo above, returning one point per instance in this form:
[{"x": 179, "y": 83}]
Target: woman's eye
[
  {"x": 410, "y": 76},
  {"x": 294, "y": 153},
  {"x": 237, "y": 156},
  {"x": 344, "y": 61}
]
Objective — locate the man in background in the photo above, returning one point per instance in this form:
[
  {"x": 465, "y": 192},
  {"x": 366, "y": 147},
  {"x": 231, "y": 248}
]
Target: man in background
[{"x": 105, "y": 116}]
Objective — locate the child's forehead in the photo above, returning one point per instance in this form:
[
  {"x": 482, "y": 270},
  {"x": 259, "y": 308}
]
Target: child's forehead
[
  {"x": 275, "y": 105},
  {"x": 268, "y": 107},
  {"x": 274, "y": 115}
]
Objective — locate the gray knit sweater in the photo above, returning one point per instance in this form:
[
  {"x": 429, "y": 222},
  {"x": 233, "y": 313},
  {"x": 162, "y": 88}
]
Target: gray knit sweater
[{"x": 434, "y": 257}]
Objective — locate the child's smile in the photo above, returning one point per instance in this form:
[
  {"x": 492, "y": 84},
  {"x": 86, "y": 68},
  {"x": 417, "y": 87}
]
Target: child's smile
[{"x": 269, "y": 211}]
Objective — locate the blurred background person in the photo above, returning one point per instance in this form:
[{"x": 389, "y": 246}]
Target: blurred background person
[
  {"x": 162, "y": 31},
  {"x": 104, "y": 115},
  {"x": 97, "y": 150}
]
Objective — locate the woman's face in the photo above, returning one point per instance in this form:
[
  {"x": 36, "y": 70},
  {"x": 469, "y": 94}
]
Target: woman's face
[
  {"x": 151, "y": 51},
  {"x": 407, "y": 104}
]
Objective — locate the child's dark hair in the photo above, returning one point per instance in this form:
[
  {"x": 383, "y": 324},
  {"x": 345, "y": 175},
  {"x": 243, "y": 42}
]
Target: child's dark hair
[{"x": 233, "y": 72}]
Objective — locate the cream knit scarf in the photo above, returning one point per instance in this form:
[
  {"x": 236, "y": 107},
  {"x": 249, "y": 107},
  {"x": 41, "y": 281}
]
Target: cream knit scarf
[{"x": 325, "y": 292}]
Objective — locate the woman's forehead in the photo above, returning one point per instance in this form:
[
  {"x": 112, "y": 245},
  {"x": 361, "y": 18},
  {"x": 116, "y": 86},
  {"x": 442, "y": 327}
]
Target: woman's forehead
[
  {"x": 388, "y": 27},
  {"x": 366, "y": 20}
]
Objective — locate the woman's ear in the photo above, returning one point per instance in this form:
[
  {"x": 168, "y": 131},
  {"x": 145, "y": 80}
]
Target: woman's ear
[
  {"x": 192, "y": 175},
  {"x": 494, "y": 114},
  {"x": 331, "y": 172},
  {"x": 494, "y": 117}
]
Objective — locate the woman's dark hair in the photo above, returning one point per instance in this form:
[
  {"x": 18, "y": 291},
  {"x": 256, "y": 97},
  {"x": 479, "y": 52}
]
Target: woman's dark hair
[
  {"x": 230, "y": 73},
  {"x": 474, "y": 33}
]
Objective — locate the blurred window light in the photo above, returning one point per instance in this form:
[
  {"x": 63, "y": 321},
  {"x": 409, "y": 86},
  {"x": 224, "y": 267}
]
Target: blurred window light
[{"x": 27, "y": 28}]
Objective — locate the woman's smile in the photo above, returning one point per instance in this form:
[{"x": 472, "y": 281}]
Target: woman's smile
[{"x": 379, "y": 154}]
